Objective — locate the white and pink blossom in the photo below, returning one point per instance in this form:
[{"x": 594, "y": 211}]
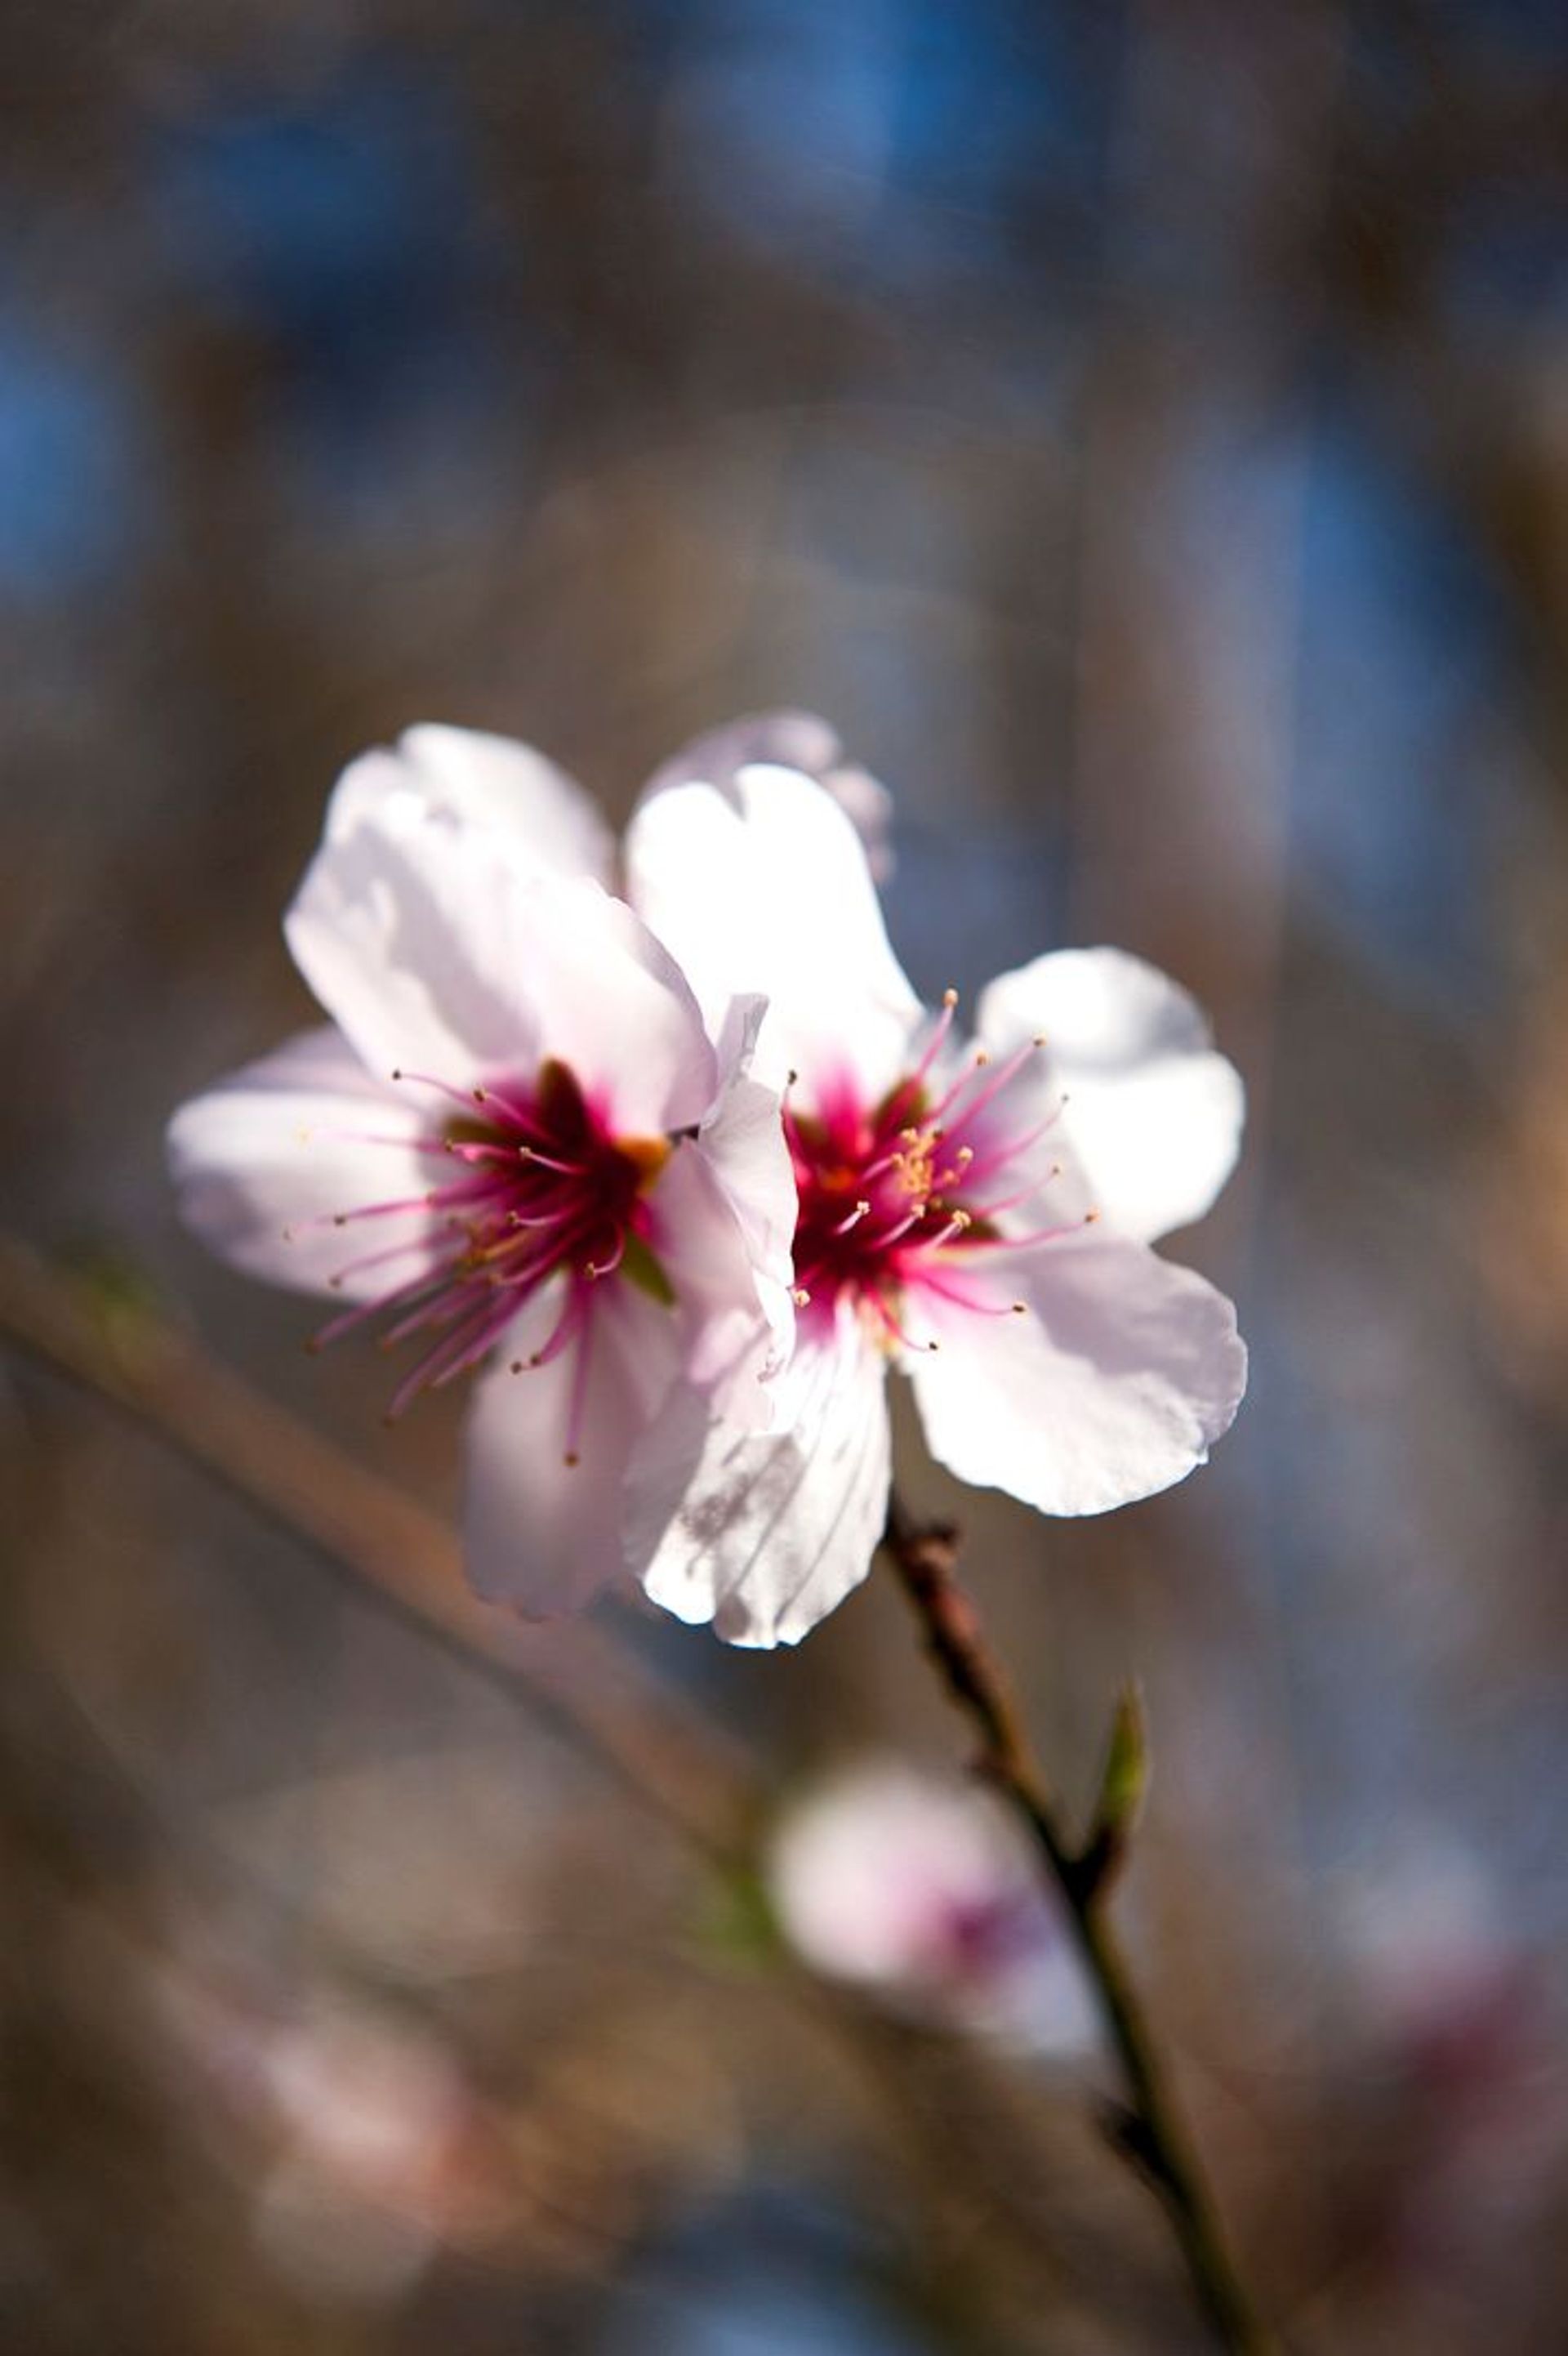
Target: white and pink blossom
[
  {"x": 518, "y": 1148},
  {"x": 977, "y": 1215},
  {"x": 533, "y": 1146},
  {"x": 919, "y": 1890}
]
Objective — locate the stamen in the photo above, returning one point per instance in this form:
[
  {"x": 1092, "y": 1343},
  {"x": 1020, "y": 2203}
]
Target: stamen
[
  {"x": 961, "y": 1300},
  {"x": 336, "y": 1327},
  {"x": 521, "y": 1114},
  {"x": 1015, "y": 1148},
  {"x": 309, "y": 1134},
  {"x": 340, "y": 1277},
  {"x": 596, "y": 1268},
  {"x": 1005, "y": 1072},
  {"x": 456, "y": 1350},
  {"x": 909, "y": 1087},
  {"x": 548, "y": 1161},
  {"x": 442, "y": 1087},
  {"x": 891, "y": 1326},
  {"x": 1039, "y": 1235}
]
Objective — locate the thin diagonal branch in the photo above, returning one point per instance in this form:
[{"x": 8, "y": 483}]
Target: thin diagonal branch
[
  {"x": 656, "y": 1743},
  {"x": 1149, "y": 2133}
]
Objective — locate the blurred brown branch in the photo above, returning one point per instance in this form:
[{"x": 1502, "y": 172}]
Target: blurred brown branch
[{"x": 656, "y": 1742}]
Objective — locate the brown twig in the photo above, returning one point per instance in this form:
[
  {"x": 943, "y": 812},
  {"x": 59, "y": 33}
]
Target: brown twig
[{"x": 1147, "y": 2132}]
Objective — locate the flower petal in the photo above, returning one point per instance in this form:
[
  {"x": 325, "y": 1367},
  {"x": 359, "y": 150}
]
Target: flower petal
[
  {"x": 266, "y": 1161},
  {"x": 745, "y": 1143},
  {"x": 435, "y": 956},
  {"x": 493, "y": 781},
  {"x": 610, "y": 1002},
  {"x": 785, "y": 740},
  {"x": 775, "y": 896},
  {"x": 770, "y": 1534},
  {"x": 411, "y": 932},
  {"x": 540, "y": 1534},
  {"x": 735, "y": 1333},
  {"x": 1154, "y": 1113},
  {"x": 1111, "y": 1386}
]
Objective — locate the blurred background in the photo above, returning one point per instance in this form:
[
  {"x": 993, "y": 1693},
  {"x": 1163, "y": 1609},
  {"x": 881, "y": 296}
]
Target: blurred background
[{"x": 1143, "y": 433}]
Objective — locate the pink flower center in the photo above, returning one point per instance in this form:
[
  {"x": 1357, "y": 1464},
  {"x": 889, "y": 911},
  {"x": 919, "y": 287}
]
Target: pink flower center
[
  {"x": 896, "y": 1198},
  {"x": 542, "y": 1190}
]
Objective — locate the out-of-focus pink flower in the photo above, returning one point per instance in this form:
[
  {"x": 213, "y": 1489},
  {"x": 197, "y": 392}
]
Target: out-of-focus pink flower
[
  {"x": 979, "y": 1217},
  {"x": 1448, "y": 2013},
  {"x": 378, "y": 2150},
  {"x": 920, "y": 1888},
  {"x": 519, "y": 1147}
]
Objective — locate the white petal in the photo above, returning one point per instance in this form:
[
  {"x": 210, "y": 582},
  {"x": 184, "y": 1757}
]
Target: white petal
[
  {"x": 540, "y": 1534},
  {"x": 610, "y": 1001},
  {"x": 745, "y": 1143},
  {"x": 266, "y": 1161},
  {"x": 493, "y": 781},
  {"x": 541, "y": 822},
  {"x": 436, "y": 956},
  {"x": 770, "y": 1534},
  {"x": 729, "y": 1344},
  {"x": 1111, "y": 1386},
  {"x": 785, "y": 740},
  {"x": 775, "y": 896},
  {"x": 411, "y": 932},
  {"x": 1154, "y": 1113}
]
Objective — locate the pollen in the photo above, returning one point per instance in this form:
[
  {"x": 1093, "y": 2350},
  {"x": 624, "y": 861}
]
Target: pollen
[
  {"x": 648, "y": 1156},
  {"x": 908, "y": 1197}
]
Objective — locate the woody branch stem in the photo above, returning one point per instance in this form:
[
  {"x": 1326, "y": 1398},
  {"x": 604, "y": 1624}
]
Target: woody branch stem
[{"x": 1149, "y": 2132}]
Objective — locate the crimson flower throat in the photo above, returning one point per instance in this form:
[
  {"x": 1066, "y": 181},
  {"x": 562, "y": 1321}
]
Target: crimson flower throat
[
  {"x": 895, "y": 1197},
  {"x": 544, "y": 1190}
]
